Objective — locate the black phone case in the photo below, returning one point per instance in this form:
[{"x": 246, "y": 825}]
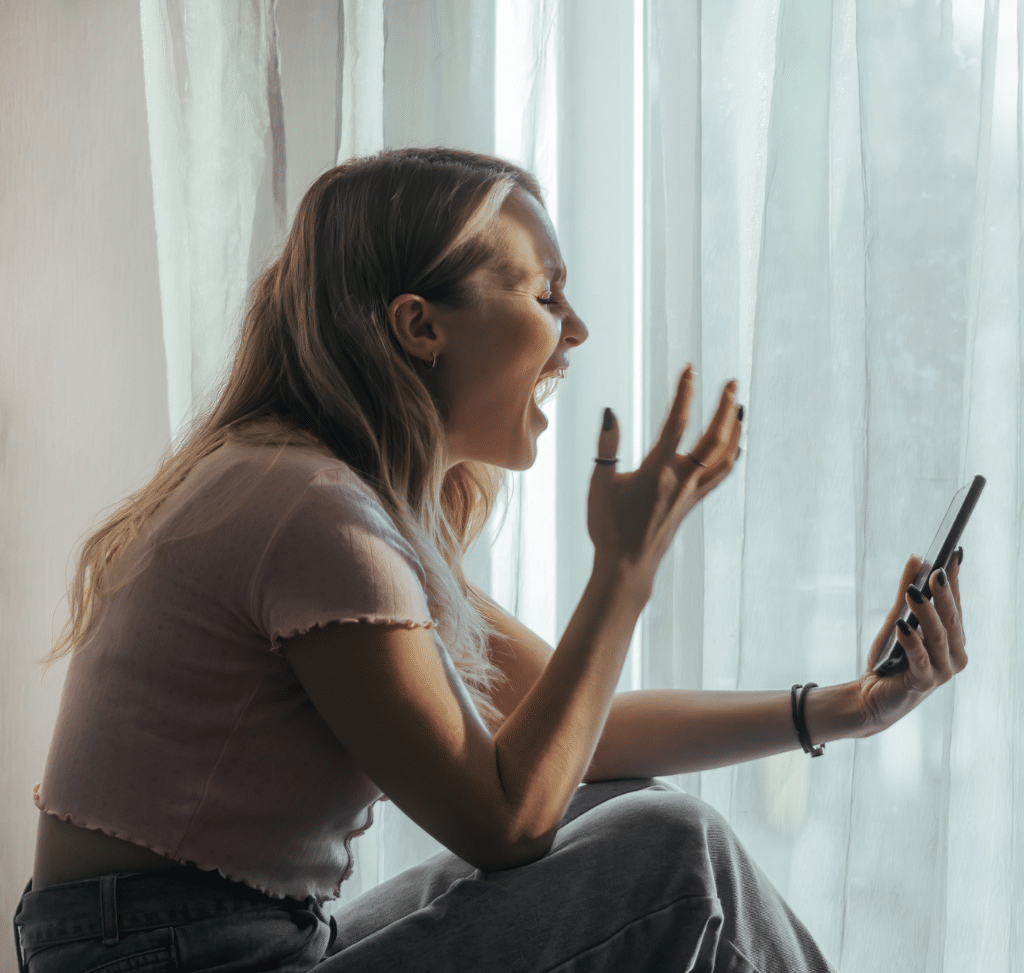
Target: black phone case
[{"x": 892, "y": 657}]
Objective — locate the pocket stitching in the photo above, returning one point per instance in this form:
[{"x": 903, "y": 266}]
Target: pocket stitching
[{"x": 161, "y": 954}]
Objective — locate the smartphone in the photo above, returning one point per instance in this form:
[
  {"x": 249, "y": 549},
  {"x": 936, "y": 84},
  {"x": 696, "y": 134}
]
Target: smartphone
[{"x": 893, "y": 658}]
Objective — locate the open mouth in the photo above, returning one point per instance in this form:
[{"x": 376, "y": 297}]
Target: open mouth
[{"x": 546, "y": 386}]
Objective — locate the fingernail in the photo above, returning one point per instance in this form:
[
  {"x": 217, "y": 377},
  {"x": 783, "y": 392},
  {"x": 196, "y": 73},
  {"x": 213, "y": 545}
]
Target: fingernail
[
  {"x": 739, "y": 449},
  {"x": 959, "y": 556},
  {"x": 915, "y": 594},
  {"x": 607, "y": 424},
  {"x": 902, "y": 626},
  {"x": 942, "y": 578},
  {"x": 739, "y": 415}
]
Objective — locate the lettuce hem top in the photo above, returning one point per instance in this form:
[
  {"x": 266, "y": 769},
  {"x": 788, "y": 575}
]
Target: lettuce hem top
[{"x": 181, "y": 726}]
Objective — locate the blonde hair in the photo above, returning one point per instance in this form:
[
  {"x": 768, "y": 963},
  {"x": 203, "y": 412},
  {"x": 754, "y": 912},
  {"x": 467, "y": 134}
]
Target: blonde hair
[{"x": 317, "y": 359}]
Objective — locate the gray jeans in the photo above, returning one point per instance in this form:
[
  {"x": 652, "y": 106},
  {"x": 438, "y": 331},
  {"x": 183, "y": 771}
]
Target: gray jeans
[{"x": 641, "y": 877}]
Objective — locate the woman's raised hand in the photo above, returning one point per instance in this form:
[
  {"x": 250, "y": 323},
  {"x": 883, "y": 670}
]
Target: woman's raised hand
[
  {"x": 935, "y": 650},
  {"x": 632, "y": 517}
]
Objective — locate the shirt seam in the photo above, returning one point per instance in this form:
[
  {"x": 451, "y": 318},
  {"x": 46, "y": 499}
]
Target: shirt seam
[
  {"x": 217, "y": 763},
  {"x": 261, "y": 562}
]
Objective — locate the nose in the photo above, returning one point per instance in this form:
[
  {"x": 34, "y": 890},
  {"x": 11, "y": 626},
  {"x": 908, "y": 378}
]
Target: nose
[{"x": 574, "y": 331}]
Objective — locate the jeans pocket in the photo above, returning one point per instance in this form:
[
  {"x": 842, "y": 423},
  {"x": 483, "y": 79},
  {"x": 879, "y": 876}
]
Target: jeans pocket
[
  {"x": 152, "y": 951},
  {"x": 266, "y": 939}
]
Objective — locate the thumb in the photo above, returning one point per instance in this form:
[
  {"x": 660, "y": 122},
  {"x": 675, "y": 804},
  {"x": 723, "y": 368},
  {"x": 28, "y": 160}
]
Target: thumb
[
  {"x": 910, "y": 570},
  {"x": 913, "y": 565},
  {"x": 608, "y": 441}
]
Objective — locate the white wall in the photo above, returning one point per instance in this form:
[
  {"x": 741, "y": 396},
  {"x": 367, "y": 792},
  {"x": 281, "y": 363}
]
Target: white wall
[{"x": 83, "y": 392}]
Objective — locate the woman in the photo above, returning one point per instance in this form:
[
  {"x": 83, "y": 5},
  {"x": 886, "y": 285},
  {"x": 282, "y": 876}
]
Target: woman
[{"x": 277, "y": 632}]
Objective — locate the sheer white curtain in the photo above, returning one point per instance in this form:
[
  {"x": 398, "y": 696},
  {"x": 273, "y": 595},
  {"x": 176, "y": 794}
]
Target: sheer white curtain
[{"x": 822, "y": 200}]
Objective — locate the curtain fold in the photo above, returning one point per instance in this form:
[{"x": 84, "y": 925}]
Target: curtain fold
[
  {"x": 823, "y": 201},
  {"x": 684, "y": 594},
  {"x": 360, "y": 78},
  {"x": 217, "y": 145}
]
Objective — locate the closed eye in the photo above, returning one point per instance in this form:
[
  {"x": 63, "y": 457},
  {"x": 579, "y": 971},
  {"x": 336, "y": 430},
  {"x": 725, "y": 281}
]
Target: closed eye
[{"x": 548, "y": 300}]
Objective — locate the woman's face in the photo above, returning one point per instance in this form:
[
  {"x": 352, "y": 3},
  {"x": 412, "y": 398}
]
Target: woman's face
[{"x": 492, "y": 355}]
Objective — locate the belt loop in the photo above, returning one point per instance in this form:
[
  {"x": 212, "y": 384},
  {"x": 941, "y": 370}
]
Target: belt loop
[
  {"x": 22, "y": 965},
  {"x": 108, "y": 909}
]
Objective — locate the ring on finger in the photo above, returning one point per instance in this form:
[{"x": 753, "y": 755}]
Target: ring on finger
[{"x": 697, "y": 461}]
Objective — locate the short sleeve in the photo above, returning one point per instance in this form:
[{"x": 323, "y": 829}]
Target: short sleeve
[{"x": 336, "y": 556}]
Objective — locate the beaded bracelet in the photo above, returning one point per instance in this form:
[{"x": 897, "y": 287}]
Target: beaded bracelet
[{"x": 798, "y": 719}]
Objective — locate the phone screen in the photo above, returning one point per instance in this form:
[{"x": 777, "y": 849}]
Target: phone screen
[{"x": 947, "y": 537}]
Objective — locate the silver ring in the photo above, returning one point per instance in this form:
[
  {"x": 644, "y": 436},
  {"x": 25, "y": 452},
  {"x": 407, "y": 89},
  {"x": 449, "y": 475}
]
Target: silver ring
[
  {"x": 606, "y": 462},
  {"x": 697, "y": 461}
]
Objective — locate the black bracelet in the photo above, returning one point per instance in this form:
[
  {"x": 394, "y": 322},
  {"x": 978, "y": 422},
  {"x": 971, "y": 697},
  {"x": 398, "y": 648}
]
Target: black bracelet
[{"x": 798, "y": 719}]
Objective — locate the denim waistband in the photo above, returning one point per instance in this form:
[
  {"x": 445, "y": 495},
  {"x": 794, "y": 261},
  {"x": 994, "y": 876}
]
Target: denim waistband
[{"x": 119, "y": 903}]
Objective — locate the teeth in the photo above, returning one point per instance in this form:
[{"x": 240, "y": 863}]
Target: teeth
[{"x": 559, "y": 373}]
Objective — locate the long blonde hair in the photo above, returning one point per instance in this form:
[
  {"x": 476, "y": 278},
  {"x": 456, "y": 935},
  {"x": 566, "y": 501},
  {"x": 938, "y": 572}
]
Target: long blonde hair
[{"x": 316, "y": 357}]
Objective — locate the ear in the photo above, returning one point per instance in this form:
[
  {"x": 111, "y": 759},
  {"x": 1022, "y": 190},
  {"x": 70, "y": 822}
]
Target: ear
[{"x": 411, "y": 320}]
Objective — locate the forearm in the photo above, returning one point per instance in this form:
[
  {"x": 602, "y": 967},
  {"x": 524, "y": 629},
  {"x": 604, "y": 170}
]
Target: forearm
[
  {"x": 544, "y": 747},
  {"x": 660, "y": 732}
]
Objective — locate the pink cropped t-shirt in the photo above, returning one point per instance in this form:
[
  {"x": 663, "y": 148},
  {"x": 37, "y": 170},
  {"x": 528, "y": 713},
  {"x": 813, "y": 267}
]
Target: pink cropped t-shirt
[{"x": 181, "y": 727}]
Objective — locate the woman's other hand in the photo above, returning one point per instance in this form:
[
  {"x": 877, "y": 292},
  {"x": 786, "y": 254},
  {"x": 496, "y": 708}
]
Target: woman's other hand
[{"x": 935, "y": 650}]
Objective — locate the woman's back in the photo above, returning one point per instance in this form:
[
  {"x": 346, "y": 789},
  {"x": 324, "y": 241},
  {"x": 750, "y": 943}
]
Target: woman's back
[{"x": 227, "y": 764}]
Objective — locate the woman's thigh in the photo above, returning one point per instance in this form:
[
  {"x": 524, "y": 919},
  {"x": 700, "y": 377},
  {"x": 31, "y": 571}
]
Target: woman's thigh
[
  {"x": 417, "y": 887},
  {"x": 640, "y": 876}
]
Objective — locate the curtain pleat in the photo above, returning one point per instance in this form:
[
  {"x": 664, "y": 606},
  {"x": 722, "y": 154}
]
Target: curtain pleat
[
  {"x": 522, "y": 560},
  {"x": 594, "y": 220},
  {"x": 217, "y": 149},
  {"x": 676, "y": 616},
  {"x": 982, "y": 884},
  {"x": 825, "y": 202},
  {"x": 361, "y": 78}
]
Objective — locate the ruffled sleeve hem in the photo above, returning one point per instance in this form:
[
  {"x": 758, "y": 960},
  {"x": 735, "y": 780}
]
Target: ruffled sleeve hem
[{"x": 282, "y": 636}]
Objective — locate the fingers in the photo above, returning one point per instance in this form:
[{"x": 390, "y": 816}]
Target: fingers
[
  {"x": 917, "y": 655},
  {"x": 716, "y": 472},
  {"x": 953, "y": 571},
  {"x": 678, "y": 416},
  {"x": 717, "y": 447},
  {"x": 910, "y": 570},
  {"x": 711, "y": 478},
  {"x": 933, "y": 639},
  {"x": 948, "y": 612},
  {"x": 608, "y": 443}
]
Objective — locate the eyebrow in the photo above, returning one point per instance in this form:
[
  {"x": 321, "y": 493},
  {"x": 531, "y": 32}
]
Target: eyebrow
[
  {"x": 555, "y": 272},
  {"x": 552, "y": 267}
]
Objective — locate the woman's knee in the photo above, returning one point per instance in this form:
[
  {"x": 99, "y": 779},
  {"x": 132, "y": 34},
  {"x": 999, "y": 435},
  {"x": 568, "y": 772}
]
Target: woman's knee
[
  {"x": 660, "y": 821},
  {"x": 664, "y": 812}
]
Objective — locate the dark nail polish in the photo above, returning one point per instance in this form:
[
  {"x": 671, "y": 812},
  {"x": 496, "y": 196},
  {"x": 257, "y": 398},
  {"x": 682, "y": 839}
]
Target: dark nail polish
[
  {"x": 915, "y": 594},
  {"x": 607, "y": 424},
  {"x": 902, "y": 626},
  {"x": 739, "y": 414},
  {"x": 739, "y": 449},
  {"x": 942, "y": 578},
  {"x": 959, "y": 556}
]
